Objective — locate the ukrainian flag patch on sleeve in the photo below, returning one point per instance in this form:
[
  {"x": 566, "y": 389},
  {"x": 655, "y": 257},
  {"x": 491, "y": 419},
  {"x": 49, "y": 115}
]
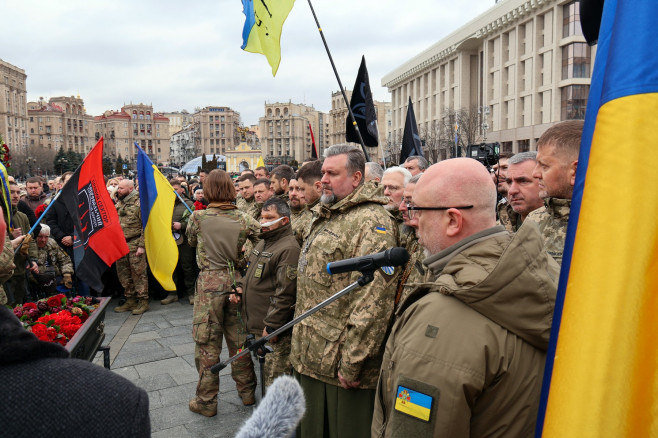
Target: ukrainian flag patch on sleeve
[
  {"x": 380, "y": 230},
  {"x": 413, "y": 403}
]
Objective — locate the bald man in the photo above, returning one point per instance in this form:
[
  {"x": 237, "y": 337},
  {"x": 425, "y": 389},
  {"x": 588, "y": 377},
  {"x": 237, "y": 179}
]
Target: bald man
[{"x": 465, "y": 357}]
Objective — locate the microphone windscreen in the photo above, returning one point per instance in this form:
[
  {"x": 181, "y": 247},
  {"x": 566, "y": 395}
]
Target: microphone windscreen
[
  {"x": 398, "y": 256},
  {"x": 278, "y": 413}
]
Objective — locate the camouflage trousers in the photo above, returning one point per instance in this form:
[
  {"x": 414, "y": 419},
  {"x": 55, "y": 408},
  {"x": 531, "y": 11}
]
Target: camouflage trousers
[
  {"x": 131, "y": 270},
  {"x": 277, "y": 363},
  {"x": 215, "y": 318},
  {"x": 3, "y": 296}
]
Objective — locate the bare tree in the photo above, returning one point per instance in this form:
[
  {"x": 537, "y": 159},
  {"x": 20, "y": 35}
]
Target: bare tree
[
  {"x": 36, "y": 160},
  {"x": 463, "y": 127}
]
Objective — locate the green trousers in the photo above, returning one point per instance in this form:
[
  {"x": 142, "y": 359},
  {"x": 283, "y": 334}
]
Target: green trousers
[{"x": 334, "y": 412}]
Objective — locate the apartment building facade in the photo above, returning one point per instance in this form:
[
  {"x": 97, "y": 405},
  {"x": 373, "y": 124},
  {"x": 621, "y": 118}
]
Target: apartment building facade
[
  {"x": 13, "y": 107},
  {"x": 217, "y": 129},
  {"x": 520, "y": 67},
  {"x": 285, "y": 135}
]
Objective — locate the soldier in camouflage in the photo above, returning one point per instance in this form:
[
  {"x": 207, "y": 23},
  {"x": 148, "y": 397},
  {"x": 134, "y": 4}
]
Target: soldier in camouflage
[
  {"x": 336, "y": 352},
  {"x": 280, "y": 181},
  {"x": 6, "y": 261},
  {"x": 557, "y": 162},
  {"x": 269, "y": 287},
  {"x": 262, "y": 192},
  {"x": 131, "y": 268},
  {"x": 219, "y": 233},
  {"x": 53, "y": 265},
  {"x": 246, "y": 203},
  {"x": 309, "y": 188}
]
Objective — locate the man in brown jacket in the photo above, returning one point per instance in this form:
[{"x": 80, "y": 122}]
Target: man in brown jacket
[
  {"x": 466, "y": 355},
  {"x": 269, "y": 288}
]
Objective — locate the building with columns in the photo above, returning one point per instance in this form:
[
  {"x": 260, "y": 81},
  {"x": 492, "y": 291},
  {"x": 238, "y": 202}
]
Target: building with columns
[
  {"x": 338, "y": 115},
  {"x": 285, "y": 135},
  {"x": 519, "y": 68},
  {"x": 61, "y": 123},
  {"x": 134, "y": 123},
  {"x": 217, "y": 129},
  {"x": 13, "y": 107}
]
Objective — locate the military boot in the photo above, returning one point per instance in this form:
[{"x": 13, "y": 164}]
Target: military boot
[
  {"x": 171, "y": 298},
  {"x": 191, "y": 298},
  {"x": 130, "y": 304},
  {"x": 206, "y": 409},
  {"x": 142, "y": 306}
]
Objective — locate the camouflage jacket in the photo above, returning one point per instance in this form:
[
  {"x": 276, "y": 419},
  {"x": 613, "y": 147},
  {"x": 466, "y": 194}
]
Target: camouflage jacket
[
  {"x": 346, "y": 336},
  {"x": 53, "y": 257},
  {"x": 219, "y": 234},
  {"x": 270, "y": 284},
  {"x": 181, "y": 215},
  {"x": 244, "y": 205},
  {"x": 130, "y": 218},
  {"x": 507, "y": 217},
  {"x": 21, "y": 221},
  {"x": 6, "y": 261},
  {"x": 301, "y": 221},
  {"x": 552, "y": 221}
]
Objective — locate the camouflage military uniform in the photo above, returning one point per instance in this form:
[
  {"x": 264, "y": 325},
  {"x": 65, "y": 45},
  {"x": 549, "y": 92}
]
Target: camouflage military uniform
[
  {"x": 16, "y": 284},
  {"x": 269, "y": 291},
  {"x": 219, "y": 233},
  {"x": 186, "y": 270},
  {"x": 131, "y": 269},
  {"x": 6, "y": 267},
  {"x": 552, "y": 221},
  {"x": 244, "y": 205},
  {"x": 413, "y": 271},
  {"x": 507, "y": 217},
  {"x": 301, "y": 222},
  {"x": 347, "y": 336},
  {"x": 53, "y": 255}
]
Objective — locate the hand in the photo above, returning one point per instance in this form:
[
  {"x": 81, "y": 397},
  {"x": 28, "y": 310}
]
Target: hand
[
  {"x": 176, "y": 226},
  {"x": 67, "y": 241},
  {"x": 273, "y": 340},
  {"x": 26, "y": 245},
  {"x": 17, "y": 232},
  {"x": 31, "y": 266},
  {"x": 67, "y": 281},
  {"x": 346, "y": 384},
  {"x": 17, "y": 241},
  {"x": 140, "y": 251},
  {"x": 233, "y": 299}
]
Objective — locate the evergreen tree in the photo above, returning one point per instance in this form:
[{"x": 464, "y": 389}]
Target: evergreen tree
[{"x": 118, "y": 167}]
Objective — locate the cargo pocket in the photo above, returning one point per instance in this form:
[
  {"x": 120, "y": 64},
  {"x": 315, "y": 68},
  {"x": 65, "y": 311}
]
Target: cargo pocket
[
  {"x": 202, "y": 330},
  {"x": 317, "y": 269},
  {"x": 322, "y": 352}
]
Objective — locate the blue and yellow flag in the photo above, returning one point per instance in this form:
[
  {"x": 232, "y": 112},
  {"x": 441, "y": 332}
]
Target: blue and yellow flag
[
  {"x": 156, "y": 197},
  {"x": 6, "y": 196},
  {"x": 601, "y": 376},
  {"x": 262, "y": 28}
]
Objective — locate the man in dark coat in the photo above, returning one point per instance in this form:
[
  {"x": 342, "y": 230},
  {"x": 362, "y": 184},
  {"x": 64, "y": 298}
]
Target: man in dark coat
[{"x": 65, "y": 397}]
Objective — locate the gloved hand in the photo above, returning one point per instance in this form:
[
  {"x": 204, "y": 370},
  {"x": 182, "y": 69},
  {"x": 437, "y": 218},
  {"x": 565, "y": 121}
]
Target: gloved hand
[
  {"x": 67, "y": 280},
  {"x": 26, "y": 245}
]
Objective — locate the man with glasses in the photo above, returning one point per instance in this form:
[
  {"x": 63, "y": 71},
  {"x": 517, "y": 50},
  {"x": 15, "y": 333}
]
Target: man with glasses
[{"x": 466, "y": 354}]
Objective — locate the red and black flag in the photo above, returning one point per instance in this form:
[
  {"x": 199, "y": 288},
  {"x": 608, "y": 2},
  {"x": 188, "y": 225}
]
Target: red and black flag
[
  {"x": 99, "y": 238},
  {"x": 314, "y": 152},
  {"x": 363, "y": 109},
  {"x": 410, "y": 139}
]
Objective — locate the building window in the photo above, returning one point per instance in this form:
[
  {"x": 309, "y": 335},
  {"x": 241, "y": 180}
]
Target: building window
[
  {"x": 574, "y": 102},
  {"x": 576, "y": 61},
  {"x": 524, "y": 145},
  {"x": 506, "y": 147},
  {"x": 571, "y": 20}
]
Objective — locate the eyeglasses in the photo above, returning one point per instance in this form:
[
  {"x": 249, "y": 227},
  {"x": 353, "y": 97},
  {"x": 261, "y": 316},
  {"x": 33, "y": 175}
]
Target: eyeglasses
[{"x": 411, "y": 209}]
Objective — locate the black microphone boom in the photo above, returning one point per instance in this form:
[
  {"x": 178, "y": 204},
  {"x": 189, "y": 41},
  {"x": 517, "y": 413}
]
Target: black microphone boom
[{"x": 371, "y": 262}]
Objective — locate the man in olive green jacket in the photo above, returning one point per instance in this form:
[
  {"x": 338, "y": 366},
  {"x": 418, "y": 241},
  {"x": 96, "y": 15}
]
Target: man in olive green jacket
[
  {"x": 466, "y": 355},
  {"x": 269, "y": 288}
]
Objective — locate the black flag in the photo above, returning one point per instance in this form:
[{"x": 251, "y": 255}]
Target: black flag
[
  {"x": 410, "y": 140},
  {"x": 363, "y": 109}
]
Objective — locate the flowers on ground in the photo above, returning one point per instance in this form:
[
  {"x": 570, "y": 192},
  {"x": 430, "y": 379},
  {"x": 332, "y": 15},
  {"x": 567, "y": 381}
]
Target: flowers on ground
[{"x": 56, "y": 319}]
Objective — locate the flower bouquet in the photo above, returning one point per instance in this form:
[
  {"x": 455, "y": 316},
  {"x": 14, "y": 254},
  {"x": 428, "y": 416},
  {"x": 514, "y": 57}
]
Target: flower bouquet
[{"x": 57, "y": 318}]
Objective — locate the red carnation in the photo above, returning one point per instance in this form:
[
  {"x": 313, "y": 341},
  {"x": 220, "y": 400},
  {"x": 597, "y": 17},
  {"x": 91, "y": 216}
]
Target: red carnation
[
  {"x": 54, "y": 301},
  {"x": 28, "y": 306},
  {"x": 39, "y": 211}
]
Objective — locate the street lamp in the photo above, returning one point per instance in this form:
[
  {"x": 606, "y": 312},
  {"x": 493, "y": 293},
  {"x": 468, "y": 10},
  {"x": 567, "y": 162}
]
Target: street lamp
[
  {"x": 29, "y": 161},
  {"x": 61, "y": 163}
]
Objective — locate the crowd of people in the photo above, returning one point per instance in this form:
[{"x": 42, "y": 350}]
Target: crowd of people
[{"x": 452, "y": 343}]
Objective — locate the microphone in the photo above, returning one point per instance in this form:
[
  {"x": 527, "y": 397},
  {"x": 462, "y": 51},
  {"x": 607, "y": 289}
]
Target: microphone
[
  {"x": 371, "y": 262},
  {"x": 278, "y": 413}
]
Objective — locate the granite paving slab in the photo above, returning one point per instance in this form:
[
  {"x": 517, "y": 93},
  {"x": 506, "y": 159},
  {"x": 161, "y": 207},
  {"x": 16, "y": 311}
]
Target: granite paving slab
[{"x": 134, "y": 353}]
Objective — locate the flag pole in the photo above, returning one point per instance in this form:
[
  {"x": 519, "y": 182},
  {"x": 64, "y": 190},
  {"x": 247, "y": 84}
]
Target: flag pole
[
  {"x": 340, "y": 84},
  {"x": 39, "y": 219}
]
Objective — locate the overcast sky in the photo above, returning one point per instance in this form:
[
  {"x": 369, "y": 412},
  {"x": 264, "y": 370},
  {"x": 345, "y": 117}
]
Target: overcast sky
[{"x": 185, "y": 54}]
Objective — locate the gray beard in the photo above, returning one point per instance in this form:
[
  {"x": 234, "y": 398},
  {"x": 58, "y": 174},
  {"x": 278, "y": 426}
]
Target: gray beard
[{"x": 328, "y": 199}]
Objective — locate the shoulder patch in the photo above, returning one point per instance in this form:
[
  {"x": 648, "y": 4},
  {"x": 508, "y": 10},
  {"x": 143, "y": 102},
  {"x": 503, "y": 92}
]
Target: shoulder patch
[
  {"x": 413, "y": 403},
  {"x": 388, "y": 270},
  {"x": 291, "y": 272},
  {"x": 380, "y": 230}
]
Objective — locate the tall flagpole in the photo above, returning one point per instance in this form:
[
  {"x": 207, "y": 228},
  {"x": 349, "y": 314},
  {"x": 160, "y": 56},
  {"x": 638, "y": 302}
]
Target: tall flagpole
[{"x": 342, "y": 90}]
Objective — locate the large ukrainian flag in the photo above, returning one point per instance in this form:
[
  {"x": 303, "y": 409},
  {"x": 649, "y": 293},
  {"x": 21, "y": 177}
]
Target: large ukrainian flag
[
  {"x": 262, "y": 28},
  {"x": 602, "y": 371},
  {"x": 156, "y": 197}
]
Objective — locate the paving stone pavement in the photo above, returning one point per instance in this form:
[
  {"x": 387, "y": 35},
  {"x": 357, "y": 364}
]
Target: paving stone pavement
[{"x": 156, "y": 352}]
